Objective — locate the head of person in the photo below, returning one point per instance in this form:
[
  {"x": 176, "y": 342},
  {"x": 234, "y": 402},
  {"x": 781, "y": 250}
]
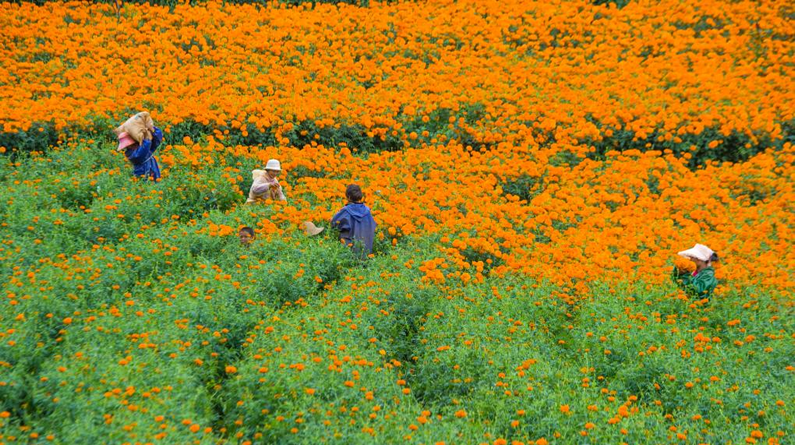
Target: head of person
[
  {"x": 701, "y": 255},
  {"x": 354, "y": 193},
  {"x": 126, "y": 142},
  {"x": 273, "y": 168},
  {"x": 246, "y": 235}
]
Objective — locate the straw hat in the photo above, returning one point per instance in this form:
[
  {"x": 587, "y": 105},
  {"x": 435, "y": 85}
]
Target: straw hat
[
  {"x": 273, "y": 164},
  {"x": 312, "y": 229},
  {"x": 699, "y": 252}
]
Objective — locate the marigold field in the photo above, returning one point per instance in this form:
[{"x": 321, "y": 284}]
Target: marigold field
[{"x": 534, "y": 167}]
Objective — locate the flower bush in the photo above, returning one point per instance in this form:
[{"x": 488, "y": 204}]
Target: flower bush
[
  {"x": 583, "y": 78},
  {"x": 533, "y": 168}
]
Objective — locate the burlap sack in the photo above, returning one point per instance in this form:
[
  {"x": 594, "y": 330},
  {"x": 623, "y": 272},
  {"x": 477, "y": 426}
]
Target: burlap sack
[
  {"x": 258, "y": 176},
  {"x": 137, "y": 127}
]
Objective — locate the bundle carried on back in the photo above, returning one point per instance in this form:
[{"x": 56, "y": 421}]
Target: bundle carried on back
[
  {"x": 138, "y": 127},
  {"x": 264, "y": 188}
]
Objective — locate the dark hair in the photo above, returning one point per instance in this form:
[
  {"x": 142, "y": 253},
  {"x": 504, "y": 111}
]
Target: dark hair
[
  {"x": 248, "y": 230},
  {"x": 354, "y": 193},
  {"x": 714, "y": 258}
]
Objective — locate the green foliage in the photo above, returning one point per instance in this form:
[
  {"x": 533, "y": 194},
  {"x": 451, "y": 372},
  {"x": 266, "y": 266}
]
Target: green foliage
[
  {"x": 438, "y": 124},
  {"x": 734, "y": 147},
  {"x": 43, "y": 136},
  {"x": 353, "y": 136},
  {"x": 615, "y": 3},
  {"x": 524, "y": 186},
  {"x": 40, "y": 137},
  {"x": 129, "y": 314}
]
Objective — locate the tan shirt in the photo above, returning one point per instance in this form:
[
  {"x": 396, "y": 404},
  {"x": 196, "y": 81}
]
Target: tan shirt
[{"x": 266, "y": 188}]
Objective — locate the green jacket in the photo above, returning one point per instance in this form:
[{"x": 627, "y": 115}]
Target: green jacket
[{"x": 700, "y": 286}]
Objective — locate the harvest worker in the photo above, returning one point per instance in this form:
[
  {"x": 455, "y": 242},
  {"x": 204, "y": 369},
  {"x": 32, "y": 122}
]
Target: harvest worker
[
  {"x": 266, "y": 184},
  {"x": 702, "y": 281},
  {"x": 355, "y": 222},
  {"x": 246, "y": 235},
  {"x": 141, "y": 155}
]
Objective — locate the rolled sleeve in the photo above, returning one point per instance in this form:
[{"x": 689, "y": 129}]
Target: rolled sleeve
[{"x": 261, "y": 188}]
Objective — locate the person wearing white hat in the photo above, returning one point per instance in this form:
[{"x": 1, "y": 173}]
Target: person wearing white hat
[
  {"x": 702, "y": 282},
  {"x": 266, "y": 184}
]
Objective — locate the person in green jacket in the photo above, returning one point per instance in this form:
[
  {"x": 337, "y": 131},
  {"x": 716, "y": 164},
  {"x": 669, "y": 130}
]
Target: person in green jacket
[{"x": 701, "y": 283}]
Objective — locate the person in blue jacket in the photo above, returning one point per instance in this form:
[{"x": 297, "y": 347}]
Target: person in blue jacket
[
  {"x": 355, "y": 222},
  {"x": 141, "y": 156}
]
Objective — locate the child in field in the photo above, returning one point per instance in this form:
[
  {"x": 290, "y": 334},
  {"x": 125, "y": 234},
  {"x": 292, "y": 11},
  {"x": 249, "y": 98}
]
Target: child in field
[
  {"x": 702, "y": 282},
  {"x": 141, "y": 155},
  {"x": 246, "y": 235},
  {"x": 355, "y": 222},
  {"x": 266, "y": 184}
]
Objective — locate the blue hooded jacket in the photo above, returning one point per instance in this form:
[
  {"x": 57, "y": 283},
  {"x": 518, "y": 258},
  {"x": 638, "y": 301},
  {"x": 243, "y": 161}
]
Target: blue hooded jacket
[
  {"x": 142, "y": 156},
  {"x": 356, "y": 225}
]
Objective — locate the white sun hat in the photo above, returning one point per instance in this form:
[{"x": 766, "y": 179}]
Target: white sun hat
[
  {"x": 273, "y": 164},
  {"x": 699, "y": 251}
]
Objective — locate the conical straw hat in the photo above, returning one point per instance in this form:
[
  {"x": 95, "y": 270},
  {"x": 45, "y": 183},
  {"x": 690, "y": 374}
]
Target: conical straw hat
[
  {"x": 312, "y": 229},
  {"x": 698, "y": 251}
]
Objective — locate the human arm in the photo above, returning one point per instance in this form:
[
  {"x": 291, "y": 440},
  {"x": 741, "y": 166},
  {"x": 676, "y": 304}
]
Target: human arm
[
  {"x": 139, "y": 155},
  {"x": 157, "y": 138},
  {"x": 147, "y": 147},
  {"x": 341, "y": 221},
  {"x": 681, "y": 277},
  {"x": 259, "y": 188}
]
